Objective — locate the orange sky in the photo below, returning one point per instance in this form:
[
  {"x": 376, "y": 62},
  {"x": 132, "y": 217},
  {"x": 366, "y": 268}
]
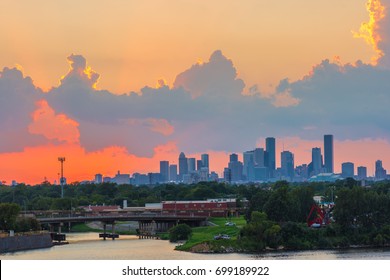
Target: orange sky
[{"x": 133, "y": 44}]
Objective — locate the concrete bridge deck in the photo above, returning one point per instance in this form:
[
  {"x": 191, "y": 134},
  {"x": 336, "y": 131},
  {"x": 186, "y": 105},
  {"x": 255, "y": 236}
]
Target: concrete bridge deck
[{"x": 121, "y": 217}]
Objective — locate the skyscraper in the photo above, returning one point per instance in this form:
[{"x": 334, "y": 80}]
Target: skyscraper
[
  {"x": 199, "y": 164},
  {"x": 287, "y": 164},
  {"x": 380, "y": 172},
  {"x": 235, "y": 168},
  {"x": 233, "y": 158},
  {"x": 259, "y": 157},
  {"x": 183, "y": 165},
  {"x": 347, "y": 170},
  {"x": 249, "y": 165},
  {"x": 164, "y": 171},
  {"x": 316, "y": 159},
  {"x": 191, "y": 165},
  {"x": 328, "y": 153},
  {"x": 173, "y": 173},
  {"x": 362, "y": 172},
  {"x": 270, "y": 156},
  {"x": 205, "y": 160}
]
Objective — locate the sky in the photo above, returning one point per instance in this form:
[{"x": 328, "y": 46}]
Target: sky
[{"x": 120, "y": 85}]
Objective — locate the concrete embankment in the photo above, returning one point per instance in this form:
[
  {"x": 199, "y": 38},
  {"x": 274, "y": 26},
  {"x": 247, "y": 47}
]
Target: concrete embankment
[{"x": 25, "y": 242}]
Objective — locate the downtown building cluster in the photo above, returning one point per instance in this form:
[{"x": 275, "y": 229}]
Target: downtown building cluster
[{"x": 258, "y": 165}]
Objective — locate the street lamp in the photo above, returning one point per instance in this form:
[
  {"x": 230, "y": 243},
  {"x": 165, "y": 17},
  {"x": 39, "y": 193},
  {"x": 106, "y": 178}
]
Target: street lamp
[{"x": 62, "y": 180}]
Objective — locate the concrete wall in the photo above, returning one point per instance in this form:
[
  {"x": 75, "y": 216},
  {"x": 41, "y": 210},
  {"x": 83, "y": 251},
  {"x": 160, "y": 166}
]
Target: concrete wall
[{"x": 26, "y": 242}]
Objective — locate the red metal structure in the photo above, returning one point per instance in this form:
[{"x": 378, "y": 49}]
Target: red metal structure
[{"x": 316, "y": 217}]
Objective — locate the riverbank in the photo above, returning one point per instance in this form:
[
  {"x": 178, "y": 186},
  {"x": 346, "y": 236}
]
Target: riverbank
[
  {"x": 88, "y": 246},
  {"x": 202, "y": 239},
  {"x": 295, "y": 237},
  {"x": 25, "y": 242}
]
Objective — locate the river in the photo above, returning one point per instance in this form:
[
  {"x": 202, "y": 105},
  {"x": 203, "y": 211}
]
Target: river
[{"x": 88, "y": 246}]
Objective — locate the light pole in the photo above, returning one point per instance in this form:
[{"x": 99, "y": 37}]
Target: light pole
[{"x": 62, "y": 180}]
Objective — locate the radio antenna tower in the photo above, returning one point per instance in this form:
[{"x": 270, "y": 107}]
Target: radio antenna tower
[{"x": 62, "y": 179}]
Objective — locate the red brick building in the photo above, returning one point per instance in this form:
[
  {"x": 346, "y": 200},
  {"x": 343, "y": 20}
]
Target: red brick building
[{"x": 205, "y": 208}]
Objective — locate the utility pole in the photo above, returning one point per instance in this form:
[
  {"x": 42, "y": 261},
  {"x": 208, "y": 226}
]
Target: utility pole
[{"x": 62, "y": 180}]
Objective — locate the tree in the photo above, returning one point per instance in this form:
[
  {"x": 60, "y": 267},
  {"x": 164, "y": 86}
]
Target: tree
[
  {"x": 180, "y": 232},
  {"x": 24, "y": 224},
  {"x": 8, "y": 214},
  {"x": 304, "y": 197},
  {"x": 281, "y": 206},
  {"x": 260, "y": 233}
]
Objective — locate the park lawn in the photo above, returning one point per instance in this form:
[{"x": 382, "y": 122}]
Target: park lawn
[
  {"x": 85, "y": 228},
  {"x": 239, "y": 221},
  {"x": 204, "y": 234}
]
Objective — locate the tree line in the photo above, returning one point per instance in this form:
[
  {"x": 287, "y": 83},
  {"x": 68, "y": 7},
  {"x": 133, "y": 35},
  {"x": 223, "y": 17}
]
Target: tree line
[{"x": 276, "y": 212}]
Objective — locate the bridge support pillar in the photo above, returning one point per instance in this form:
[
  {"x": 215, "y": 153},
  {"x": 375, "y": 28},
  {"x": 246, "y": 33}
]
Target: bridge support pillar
[{"x": 113, "y": 230}]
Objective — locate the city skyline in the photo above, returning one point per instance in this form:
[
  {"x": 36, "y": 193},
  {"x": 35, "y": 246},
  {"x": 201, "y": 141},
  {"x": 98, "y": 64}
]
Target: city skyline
[
  {"x": 255, "y": 165},
  {"x": 139, "y": 88}
]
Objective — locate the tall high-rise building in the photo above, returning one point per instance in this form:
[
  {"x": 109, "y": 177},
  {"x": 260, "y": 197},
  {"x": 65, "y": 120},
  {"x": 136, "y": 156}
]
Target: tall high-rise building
[
  {"x": 199, "y": 164},
  {"x": 380, "y": 172},
  {"x": 191, "y": 165},
  {"x": 270, "y": 145},
  {"x": 347, "y": 170},
  {"x": 287, "y": 164},
  {"x": 227, "y": 175},
  {"x": 205, "y": 160},
  {"x": 249, "y": 165},
  {"x": 362, "y": 172},
  {"x": 258, "y": 155},
  {"x": 173, "y": 173},
  {"x": 235, "y": 167},
  {"x": 164, "y": 171},
  {"x": 233, "y": 158},
  {"x": 183, "y": 165},
  {"x": 316, "y": 159},
  {"x": 328, "y": 153}
]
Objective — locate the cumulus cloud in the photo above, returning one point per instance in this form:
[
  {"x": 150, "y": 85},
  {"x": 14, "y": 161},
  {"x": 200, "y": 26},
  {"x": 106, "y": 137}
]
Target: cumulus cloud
[
  {"x": 17, "y": 100},
  {"x": 53, "y": 126},
  {"x": 217, "y": 77},
  {"x": 80, "y": 72},
  {"x": 375, "y": 31},
  {"x": 383, "y": 30},
  {"x": 206, "y": 109}
]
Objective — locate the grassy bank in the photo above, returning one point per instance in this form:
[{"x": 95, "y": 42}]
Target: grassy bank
[
  {"x": 202, "y": 235},
  {"x": 86, "y": 228}
]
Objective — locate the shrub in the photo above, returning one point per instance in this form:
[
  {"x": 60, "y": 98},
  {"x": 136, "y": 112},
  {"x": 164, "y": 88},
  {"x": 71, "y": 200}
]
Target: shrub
[{"x": 180, "y": 232}]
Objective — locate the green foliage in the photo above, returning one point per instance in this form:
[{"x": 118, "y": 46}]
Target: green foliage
[
  {"x": 281, "y": 206},
  {"x": 361, "y": 209},
  {"x": 206, "y": 234},
  {"x": 260, "y": 233},
  {"x": 8, "y": 214},
  {"x": 303, "y": 196},
  {"x": 180, "y": 232},
  {"x": 25, "y": 224}
]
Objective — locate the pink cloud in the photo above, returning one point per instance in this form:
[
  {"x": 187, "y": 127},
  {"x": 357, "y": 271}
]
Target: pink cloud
[{"x": 53, "y": 126}]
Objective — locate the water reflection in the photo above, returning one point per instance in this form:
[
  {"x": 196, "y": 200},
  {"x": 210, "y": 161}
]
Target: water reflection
[{"x": 88, "y": 246}]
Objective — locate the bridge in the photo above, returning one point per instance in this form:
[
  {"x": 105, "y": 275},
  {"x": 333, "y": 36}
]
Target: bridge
[{"x": 149, "y": 225}]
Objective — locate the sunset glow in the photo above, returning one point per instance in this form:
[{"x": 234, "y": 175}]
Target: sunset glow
[{"x": 123, "y": 86}]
